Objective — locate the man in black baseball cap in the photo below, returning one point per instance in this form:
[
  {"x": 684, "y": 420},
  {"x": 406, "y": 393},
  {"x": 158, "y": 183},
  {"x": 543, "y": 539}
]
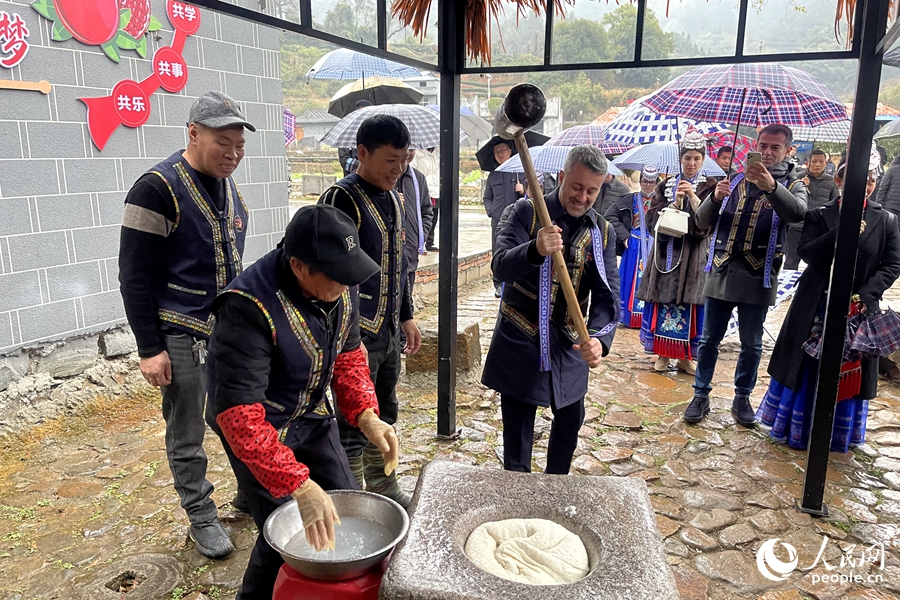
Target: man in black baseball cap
[
  {"x": 182, "y": 240},
  {"x": 287, "y": 331}
]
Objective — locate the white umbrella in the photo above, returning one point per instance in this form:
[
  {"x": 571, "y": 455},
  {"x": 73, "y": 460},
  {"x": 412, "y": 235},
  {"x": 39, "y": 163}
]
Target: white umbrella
[
  {"x": 666, "y": 156},
  {"x": 423, "y": 123},
  {"x": 837, "y": 131},
  {"x": 546, "y": 159},
  {"x": 477, "y": 129}
]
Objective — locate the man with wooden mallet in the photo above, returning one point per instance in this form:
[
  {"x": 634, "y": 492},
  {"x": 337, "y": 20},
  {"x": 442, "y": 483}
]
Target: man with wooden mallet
[{"x": 542, "y": 347}]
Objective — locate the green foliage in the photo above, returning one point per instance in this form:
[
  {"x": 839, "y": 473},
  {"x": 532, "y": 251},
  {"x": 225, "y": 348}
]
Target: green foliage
[{"x": 579, "y": 41}]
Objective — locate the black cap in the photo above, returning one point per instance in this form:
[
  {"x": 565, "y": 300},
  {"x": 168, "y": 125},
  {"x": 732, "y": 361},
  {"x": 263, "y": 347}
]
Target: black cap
[{"x": 325, "y": 238}]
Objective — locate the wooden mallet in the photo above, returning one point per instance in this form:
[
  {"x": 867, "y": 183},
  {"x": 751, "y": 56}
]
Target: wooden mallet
[{"x": 522, "y": 109}]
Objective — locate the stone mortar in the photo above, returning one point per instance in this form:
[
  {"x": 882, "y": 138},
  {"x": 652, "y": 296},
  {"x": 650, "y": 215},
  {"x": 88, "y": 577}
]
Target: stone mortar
[{"x": 612, "y": 516}]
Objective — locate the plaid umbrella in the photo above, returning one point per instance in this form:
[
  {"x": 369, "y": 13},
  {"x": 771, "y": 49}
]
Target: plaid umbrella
[
  {"x": 837, "y": 131},
  {"x": 638, "y": 124},
  {"x": 290, "y": 122},
  {"x": 423, "y": 123},
  {"x": 745, "y": 144},
  {"x": 755, "y": 94},
  {"x": 348, "y": 64},
  {"x": 592, "y": 135},
  {"x": 878, "y": 334},
  {"x": 377, "y": 90},
  {"x": 665, "y": 155},
  {"x": 546, "y": 159}
]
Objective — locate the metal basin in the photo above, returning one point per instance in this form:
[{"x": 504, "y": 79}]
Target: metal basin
[{"x": 285, "y": 523}]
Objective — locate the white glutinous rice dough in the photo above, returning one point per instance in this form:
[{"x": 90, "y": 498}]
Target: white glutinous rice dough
[{"x": 533, "y": 551}]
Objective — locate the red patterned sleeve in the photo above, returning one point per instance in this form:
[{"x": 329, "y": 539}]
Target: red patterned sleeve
[
  {"x": 352, "y": 385},
  {"x": 255, "y": 441}
]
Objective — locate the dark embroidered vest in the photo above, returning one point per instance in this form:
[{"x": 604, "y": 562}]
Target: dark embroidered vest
[
  {"x": 381, "y": 237},
  {"x": 519, "y": 303},
  {"x": 306, "y": 346},
  {"x": 203, "y": 252},
  {"x": 745, "y": 226}
]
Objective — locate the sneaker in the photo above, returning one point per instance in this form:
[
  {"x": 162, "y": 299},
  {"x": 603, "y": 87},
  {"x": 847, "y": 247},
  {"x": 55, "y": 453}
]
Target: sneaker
[
  {"x": 661, "y": 365},
  {"x": 696, "y": 410},
  {"x": 211, "y": 539},
  {"x": 688, "y": 366},
  {"x": 497, "y": 291},
  {"x": 743, "y": 412},
  {"x": 432, "y": 248}
]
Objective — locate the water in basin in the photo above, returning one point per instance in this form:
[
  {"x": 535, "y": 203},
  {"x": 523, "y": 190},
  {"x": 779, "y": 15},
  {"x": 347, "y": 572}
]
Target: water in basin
[{"x": 353, "y": 538}]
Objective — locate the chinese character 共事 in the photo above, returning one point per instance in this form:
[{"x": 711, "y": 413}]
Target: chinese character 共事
[
  {"x": 12, "y": 39},
  {"x": 177, "y": 69},
  {"x": 164, "y": 68}
]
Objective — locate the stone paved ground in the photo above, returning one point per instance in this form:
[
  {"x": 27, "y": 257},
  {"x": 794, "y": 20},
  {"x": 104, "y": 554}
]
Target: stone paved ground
[{"x": 87, "y": 498}]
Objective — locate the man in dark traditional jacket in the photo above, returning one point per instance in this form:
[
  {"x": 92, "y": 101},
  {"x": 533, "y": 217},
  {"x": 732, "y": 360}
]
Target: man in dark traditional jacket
[
  {"x": 821, "y": 190},
  {"x": 750, "y": 214},
  {"x": 416, "y": 200},
  {"x": 500, "y": 190},
  {"x": 385, "y": 300},
  {"x": 182, "y": 239},
  {"x": 287, "y": 333},
  {"x": 533, "y": 360}
]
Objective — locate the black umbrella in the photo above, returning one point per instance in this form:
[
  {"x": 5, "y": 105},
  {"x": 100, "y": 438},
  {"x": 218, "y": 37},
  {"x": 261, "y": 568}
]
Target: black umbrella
[
  {"x": 485, "y": 154},
  {"x": 892, "y": 57},
  {"x": 377, "y": 90}
]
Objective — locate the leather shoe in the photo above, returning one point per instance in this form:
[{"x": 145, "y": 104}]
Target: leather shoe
[
  {"x": 432, "y": 248},
  {"x": 211, "y": 539},
  {"x": 498, "y": 291},
  {"x": 696, "y": 410},
  {"x": 743, "y": 412}
]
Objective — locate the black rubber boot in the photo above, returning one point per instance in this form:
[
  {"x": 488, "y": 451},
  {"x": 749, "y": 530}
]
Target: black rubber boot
[
  {"x": 696, "y": 410},
  {"x": 378, "y": 482},
  {"x": 356, "y": 466},
  {"x": 743, "y": 412}
]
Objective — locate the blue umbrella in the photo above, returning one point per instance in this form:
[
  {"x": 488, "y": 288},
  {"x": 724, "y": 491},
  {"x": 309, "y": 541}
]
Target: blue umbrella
[
  {"x": 347, "y": 64},
  {"x": 665, "y": 155},
  {"x": 546, "y": 159}
]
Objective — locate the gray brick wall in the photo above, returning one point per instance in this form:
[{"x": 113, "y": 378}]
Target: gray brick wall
[{"x": 61, "y": 198}]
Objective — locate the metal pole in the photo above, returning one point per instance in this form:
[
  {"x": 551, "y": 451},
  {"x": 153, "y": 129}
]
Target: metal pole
[
  {"x": 451, "y": 58},
  {"x": 871, "y": 20}
]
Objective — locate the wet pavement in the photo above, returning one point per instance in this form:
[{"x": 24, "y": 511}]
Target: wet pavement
[{"x": 88, "y": 498}]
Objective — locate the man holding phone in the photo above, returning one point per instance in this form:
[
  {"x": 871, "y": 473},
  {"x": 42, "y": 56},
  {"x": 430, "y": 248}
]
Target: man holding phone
[{"x": 750, "y": 213}]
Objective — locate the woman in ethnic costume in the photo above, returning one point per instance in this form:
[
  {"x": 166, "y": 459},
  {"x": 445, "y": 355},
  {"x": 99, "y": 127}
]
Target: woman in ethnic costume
[
  {"x": 672, "y": 284},
  {"x": 787, "y": 405},
  {"x": 634, "y": 240}
]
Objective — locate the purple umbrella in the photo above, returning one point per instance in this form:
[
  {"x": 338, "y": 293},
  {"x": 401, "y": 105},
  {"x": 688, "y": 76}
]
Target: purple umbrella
[{"x": 592, "y": 135}]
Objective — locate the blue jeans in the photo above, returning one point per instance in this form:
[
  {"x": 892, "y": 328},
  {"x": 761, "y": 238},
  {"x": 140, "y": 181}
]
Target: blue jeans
[{"x": 717, "y": 313}]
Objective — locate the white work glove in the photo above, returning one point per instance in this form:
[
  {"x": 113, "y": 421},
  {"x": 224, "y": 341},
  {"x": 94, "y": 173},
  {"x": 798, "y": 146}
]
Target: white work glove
[
  {"x": 383, "y": 437},
  {"x": 318, "y": 514}
]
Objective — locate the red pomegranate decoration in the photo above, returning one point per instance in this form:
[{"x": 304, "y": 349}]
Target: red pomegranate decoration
[
  {"x": 93, "y": 22},
  {"x": 140, "y": 17},
  {"x": 113, "y": 25}
]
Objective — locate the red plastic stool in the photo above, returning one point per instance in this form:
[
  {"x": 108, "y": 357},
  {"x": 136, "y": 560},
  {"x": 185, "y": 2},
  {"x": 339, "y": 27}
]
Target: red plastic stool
[{"x": 291, "y": 585}]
